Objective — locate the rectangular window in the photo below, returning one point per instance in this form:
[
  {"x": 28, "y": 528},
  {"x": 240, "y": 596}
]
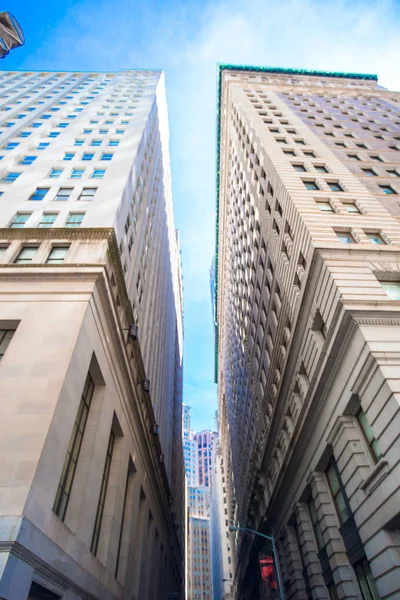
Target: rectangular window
[
  {"x": 103, "y": 493},
  {"x": 392, "y": 173},
  {"x": 25, "y": 134},
  {"x": 387, "y": 189},
  {"x": 19, "y": 220},
  {"x": 28, "y": 160},
  {"x": 392, "y": 289},
  {"x": 369, "y": 435},
  {"x": 119, "y": 131},
  {"x": 113, "y": 143},
  {"x": 87, "y": 194},
  {"x": 74, "y": 219},
  {"x": 320, "y": 169},
  {"x": 54, "y": 134},
  {"x": 47, "y": 220},
  {"x": 103, "y": 131},
  {"x": 77, "y": 173},
  {"x": 26, "y": 255},
  {"x": 325, "y": 207},
  {"x": 57, "y": 255},
  {"x": 338, "y": 493},
  {"x": 71, "y": 460},
  {"x": 316, "y": 524},
  {"x": 10, "y": 177},
  {"x": 96, "y": 143},
  {"x": 63, "y": 194},
  {"x": 345, "y": 237},
  {"x": 98, "y": 173},
  {"x": 42, "y": 145},
  {"x": 11, "y": 145},
  {"x": 353, "y": 157},
  {"x": 335, "y": 187},
  {"x": 106, "y": 156},
  {"x": 375, "y": 238},
  {"x": 369, "y": 172},
  {"x": 39, "y": 194},
  {"x": 79, "y": 142},
  {"x": 87, "y": 156},
  {"x": 55, "y": 173},
  {"x": 299, "y": 168},
  {"x": 366, "y": 581},
  {"x": 311, "y": 185},
  {"x": 5, "y": 338},
  {"x": 375, "y": 157},
  {"x": 351, "y": 208},
  {"x": 68, "y": 156}
]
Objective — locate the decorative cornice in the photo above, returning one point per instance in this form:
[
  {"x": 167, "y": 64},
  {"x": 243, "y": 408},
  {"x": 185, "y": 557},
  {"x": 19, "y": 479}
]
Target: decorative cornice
[{"x": 67, "y": 233}]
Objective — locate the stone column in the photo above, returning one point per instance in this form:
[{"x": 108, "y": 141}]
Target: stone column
[
  {"x": 294, "y": 586},
  {"x": 342, "y": 572},
  {"x": 309, "y": 553}
]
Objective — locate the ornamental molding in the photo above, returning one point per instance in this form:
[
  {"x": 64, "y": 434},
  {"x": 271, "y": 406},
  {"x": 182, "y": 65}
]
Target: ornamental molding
[
  {"x": 67, "y": 233},
  {"x": 377, "y": 321}
]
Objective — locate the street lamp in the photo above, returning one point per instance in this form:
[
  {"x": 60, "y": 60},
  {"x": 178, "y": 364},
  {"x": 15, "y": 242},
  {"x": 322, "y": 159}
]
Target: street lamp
[{"x": 271, "y": 539}]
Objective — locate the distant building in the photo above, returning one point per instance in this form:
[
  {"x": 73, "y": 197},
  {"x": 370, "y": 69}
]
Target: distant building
[
  {"x": 308, "y": 329},
  {"x": 92, "y": 473},
  {"x": 198, "y": 448}
]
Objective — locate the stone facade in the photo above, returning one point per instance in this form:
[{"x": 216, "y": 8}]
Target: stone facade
[
  {"x": 308, "y": 315},
  {"x": 91, "y": 464}
]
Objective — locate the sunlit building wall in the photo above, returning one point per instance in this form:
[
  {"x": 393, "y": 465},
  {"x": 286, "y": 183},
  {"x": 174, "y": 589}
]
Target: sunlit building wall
[
  {"x": 308, "y": 301},
  {"x": 92, "y": 477}
]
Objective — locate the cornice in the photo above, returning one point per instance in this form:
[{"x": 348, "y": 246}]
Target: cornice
[{"x": 68, "y": 233}]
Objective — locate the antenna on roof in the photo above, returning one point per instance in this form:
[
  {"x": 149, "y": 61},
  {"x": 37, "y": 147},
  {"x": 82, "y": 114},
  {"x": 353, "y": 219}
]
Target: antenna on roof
[{"x": 11, "y": 35}]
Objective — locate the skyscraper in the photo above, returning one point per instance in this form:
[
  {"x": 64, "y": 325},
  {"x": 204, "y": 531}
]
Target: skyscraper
[
  {"x": 92, "y": 474},
  {"x": 198, "y": 448},
  {"x": 308, "y": 301}
]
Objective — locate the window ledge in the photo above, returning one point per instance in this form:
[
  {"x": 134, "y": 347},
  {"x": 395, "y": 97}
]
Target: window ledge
[{"x": 380, "y": 466}]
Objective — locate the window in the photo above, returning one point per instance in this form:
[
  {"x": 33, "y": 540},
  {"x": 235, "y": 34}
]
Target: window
[
  {"x": 5, "y": 338},
  {"x": 11, "y": 145},
  {"x": 42, "y": 145},
  {"x": 369, "y": 172},
  {"x": 320, "y": 169},
  {"x": 325, "y": 207},
  {"x": 103, "y": 131},
  {"x": 87, "y": 156},
  {"x": 338, "y": 493},
  {"x": 26, "y": 255},
  {"x": 353, "y": 157},
  {"x": 57, "y": 255},
  {"x": 19, "y": 220},
  {"x": 335, "y": 187},
  {"x": 63, "y": 194},
  {"x": 28, "y": 160},
  {"x": 98, "y": 173},
  {"x": 77, "y": 173},
  {"x": 366, "y": 581},
  {"x": 106, "y": 156},
  {"x": 309, "y": 153},
  {"x": 299, "y": 168},
  {"x": 375, "y": 157},
  {"x": 311, "y": 185},
  {"x": 69, "y": 156},
  {"x": 74, "y": 219},
  {"x": 392, "y": 173},
  {"x": 369, "y": 435},
  {"x": 113, "y": 143},
  {"x": 39, "y": 194},
  {"x": 351, "y": 208},
  {"x": 387, "y": 189},
  {"x": 119, "y": 131},
  {"x": 345, "y": 237},
  {"x": 2, "y": 251},
  {"x": 316, "y": 524},
  {"x": 87, "y": 193},
  {"x": 289, "y": 152},
  {"x": 103, "y": 492},
  {"x": 79, "y": 142},
  {"x": 55, "y": 173},
  {"x": 375, "y": 238},
  {"x": 54, "y": 134},
  {"x": 96, "y": 143},
  {"x": 87, "y": 131},
  {"x": 392, "y": 289},
  {"x": 74, "y": 448},
  {"x": 25, "y": 134},
  {"x": 10, "y": 177},
  {"x": 47, "y": 220}
]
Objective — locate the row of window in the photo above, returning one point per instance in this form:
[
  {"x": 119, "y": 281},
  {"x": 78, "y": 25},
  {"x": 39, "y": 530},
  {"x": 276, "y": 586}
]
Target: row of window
[
  {"x": 47, "y": 220},
  {"x": 336, "y": 187},
  {"x": 55, "y": 173}
]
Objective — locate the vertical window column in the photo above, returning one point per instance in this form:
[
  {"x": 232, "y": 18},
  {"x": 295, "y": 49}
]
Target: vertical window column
[
  {"x": 332, "y": 552},
  {"x": 103, "y": 492},
  {"x": 129, "y": 526},
  {"x": 139, "y": 546},
  {"x": 311, "y": 566}
]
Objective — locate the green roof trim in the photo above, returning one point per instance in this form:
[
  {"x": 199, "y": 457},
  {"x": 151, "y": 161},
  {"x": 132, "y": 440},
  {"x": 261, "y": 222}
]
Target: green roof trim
[{"x": 254, "y": 69}]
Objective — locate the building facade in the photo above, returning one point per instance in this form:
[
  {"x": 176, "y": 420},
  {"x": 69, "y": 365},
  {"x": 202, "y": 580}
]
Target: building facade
[
  {"x": 198, "y": 448},
  {"x": 92, "y": 473},
  {"x": 308, "y": 323}
]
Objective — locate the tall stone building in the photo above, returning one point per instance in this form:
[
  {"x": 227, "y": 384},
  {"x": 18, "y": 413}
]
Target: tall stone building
[
  {"x": 92, "y": 474},
  {"x": 198, "y": 449},
  {"x": 308, "y": 322}
]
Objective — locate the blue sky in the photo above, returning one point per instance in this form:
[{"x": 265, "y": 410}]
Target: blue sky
[{"x": 187, "y": 39}]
